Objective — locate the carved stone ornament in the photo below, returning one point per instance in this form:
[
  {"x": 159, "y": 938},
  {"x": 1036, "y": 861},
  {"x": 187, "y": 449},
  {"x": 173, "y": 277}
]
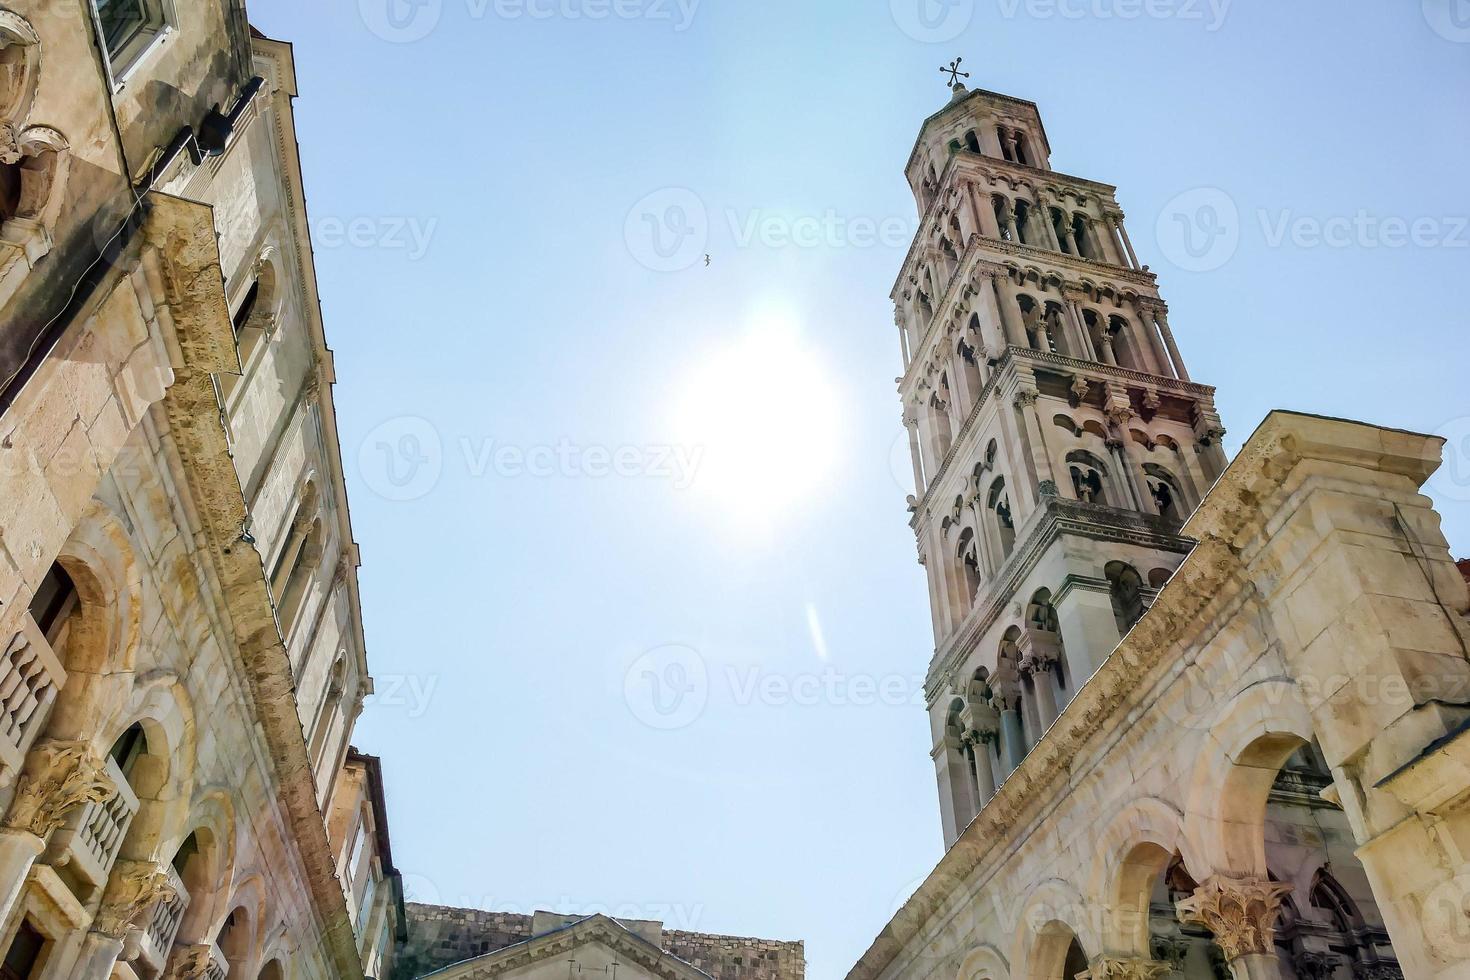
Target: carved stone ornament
[
  {"x": 56, "y": 778},
  {"x": 1119, "y": 968},
  {"x": 188, "y": 962},
  {"x": 1047, "y": 488},
  {"x": 1239, "y": 912},
  {"x": 1170, "y": 949},
  {"x": 1312, "y": 965},
  {"x": 133, "y": 889}
]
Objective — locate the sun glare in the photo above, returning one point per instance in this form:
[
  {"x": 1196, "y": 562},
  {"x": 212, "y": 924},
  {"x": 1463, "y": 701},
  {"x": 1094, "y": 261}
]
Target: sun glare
[{"x": 761, "y": 412}]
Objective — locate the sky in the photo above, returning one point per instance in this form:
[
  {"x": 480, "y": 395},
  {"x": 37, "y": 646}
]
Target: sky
[{"x": 641, "y": 601}]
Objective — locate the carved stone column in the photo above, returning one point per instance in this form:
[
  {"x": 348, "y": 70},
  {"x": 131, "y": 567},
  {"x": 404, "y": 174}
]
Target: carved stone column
[
  {"x": 56, "y": 778},
  {"x": 1039, "y": 654},
  {"x": 1046, "y": 481},
  {"x": 1161, "y": 314},
  {"x": 1115, "y": 219},
  {"x": 131, "y": 893},
  {"x": 1007, "y": 701},
  {"x": 1124, "y": 968},
  {"x": 1241, "y": 913},
  {"x": 1151, "y": 348},
  {"x": 190, "y": 962}
]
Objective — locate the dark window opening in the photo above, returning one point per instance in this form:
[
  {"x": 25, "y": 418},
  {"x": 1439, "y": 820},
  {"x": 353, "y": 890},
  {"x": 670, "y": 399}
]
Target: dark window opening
[
  {"x": 24, "y": 953},
  {"x": 54, "y": 602},
  {"x": 121, "y": 22},
  {"x": 129, "y": 748},
  {"x": 247, "y": 308}
]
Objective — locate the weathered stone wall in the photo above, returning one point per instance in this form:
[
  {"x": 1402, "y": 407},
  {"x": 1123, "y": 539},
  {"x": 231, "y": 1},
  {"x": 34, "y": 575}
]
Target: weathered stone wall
[{"x": 439, "y": 937}]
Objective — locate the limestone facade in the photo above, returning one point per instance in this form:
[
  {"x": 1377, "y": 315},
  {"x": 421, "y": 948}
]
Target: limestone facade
[
  {"x": 469, "y": 943},
  {"x": 1230, "y": 743},
  {"x": 183, "y": 658}
]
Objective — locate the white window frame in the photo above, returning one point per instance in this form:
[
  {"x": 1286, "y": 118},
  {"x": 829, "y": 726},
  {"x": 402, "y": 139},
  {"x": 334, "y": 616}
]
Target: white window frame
[{"x": 158, "y": 25}]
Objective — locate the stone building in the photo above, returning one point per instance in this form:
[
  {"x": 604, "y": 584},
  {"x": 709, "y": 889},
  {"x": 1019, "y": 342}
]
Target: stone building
[
  {"x": 183, "y": 657},
  {"x": 1187, "y": 720},
  {"x": 467, "y": 944}
]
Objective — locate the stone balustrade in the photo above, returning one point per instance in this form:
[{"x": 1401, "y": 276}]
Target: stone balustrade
[
  {"x": 30, "y": 678},
  {"x": 89, "y": 841}
]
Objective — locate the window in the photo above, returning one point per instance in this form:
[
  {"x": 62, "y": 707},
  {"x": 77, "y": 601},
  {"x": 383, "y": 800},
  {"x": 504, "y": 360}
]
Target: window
[
  {"x": 23, "y": 954},
  {"x": 53, "y": 603},
  {"x": 128, "y": 27}
]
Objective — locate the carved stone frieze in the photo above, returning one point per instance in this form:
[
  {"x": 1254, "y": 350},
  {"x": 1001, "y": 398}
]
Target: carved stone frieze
[{"x": 1124, "y": 968}]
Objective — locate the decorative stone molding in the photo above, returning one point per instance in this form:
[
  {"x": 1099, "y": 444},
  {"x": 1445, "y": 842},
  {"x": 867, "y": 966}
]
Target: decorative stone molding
[
  {"x": 1169, "y": 949},
  {"x": 133, "y": 889},
  {"x": 1119, "y": 968},
  {"x": 57, "y": 778},
  {"x": 193, "y": 962},
  {"x": 1378, "y": 971},
  {"x": 1239, "y": 912},
  {"x": 1311, "y": 965}
]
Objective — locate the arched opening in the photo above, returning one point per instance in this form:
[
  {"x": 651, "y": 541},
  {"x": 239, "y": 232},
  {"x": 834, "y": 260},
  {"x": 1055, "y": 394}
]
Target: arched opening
[
  {"x": 940, "y": 426},
  {"x": 969, "y": 563},
  {"x": 272, "y": 971},
  {"x": 1167, "y": 496},
  {"x": 53, "y": 604},
  {"x": 297, "y": 559},
  {"x": 235, "y": 940},
  {"x": 972, "y": 142},
  {"x": 328, "y": 711},
  {"x": 1076, "y": 962},
  {"x": 1042, "y": 619},
  {"x": 998, "y": 502},
  {"x": 1031, "y": 319},
  {"x": 1080, "y": 235},
  {"x": 1124, "y": 349},
  {"x": 1089, "y": 477},
  {"x": 1004, "y": 217},
  {"x": 1125, "y": 588},
  {"x": 970, "y": 368}
]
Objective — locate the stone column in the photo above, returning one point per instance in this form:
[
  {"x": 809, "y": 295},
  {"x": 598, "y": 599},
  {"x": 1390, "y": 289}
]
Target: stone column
[
  {"x": 1046, "y": 481},
  {"x": 911, "y": 425},
  {"x": 1039, "y": 654},
  {"x": 56, "y": 778},
  {"x": 984, "y": 766},
  {"x": 1010, "y": 315},
  {"x": 1125, "y": 968},
  {"x": 1161, "y": 313},
  {"x": 985, "y": 214},
  {"x": 1072, "y": 299},
  {"x": 1007, "y": 702},
  {"x": 954, "y": 786},
  {"x": 131, "y": 893},
  {"x": 1155, "y": 358},
  {"x": 1089, "y": 628},
  {"x": 1241, "y": 913},
  {"x": 1107, "y": 242},
  {"x": 1127, "y": 244},
  {"x": 1066, "y": 241}
]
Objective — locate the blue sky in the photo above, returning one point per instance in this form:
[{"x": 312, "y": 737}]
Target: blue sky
[{"x": 606, "y": 686}]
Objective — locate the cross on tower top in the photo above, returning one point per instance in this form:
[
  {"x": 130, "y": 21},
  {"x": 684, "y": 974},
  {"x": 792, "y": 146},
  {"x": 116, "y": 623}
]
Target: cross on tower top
[{"x": 954, "y": 73}]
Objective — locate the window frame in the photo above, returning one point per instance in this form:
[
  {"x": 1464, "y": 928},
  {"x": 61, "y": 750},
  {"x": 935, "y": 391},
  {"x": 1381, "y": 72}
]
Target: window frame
[{"x": 159, "y": 22}]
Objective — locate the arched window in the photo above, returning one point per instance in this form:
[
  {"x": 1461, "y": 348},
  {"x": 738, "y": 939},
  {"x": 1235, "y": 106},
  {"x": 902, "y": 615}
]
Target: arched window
[
  {"x": 969, "y": 364},
  {"x": 972, "y": 142},
  {"x": 1003, "y": 216},
  {"x": 1076, "y": 963},
  {"x": 998, "y": 502},
  {"x": 1125, "y": 587},
  {"x": 1088, "y": 477},
  {"x": 1023, "y": 220},
  {"x": 1124, "y": 348},
  {"x": 297, "y": 559},
  {"x": 1164, "y": 488},
  {"x": 969, "y": 564},
  {"x": 1080, "y": 237},
  {"x": 939, "y": 419},
  {"x": 54, "y": 602},
  {"x": 131, "y": 746}
]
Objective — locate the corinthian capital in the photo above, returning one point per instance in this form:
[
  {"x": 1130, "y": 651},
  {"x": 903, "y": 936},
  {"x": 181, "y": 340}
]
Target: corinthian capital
[
  {"x": 134, "y": 888},
  {"x": 1240, "y": 912},
  {"x": 189, "y": 962},
  {"x": 1120, "y": 968},
  {"x": 56, "y": 778}
]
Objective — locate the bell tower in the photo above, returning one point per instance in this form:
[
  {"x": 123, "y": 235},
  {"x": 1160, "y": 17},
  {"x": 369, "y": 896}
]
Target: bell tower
[{"x": 1058, "y": 442}]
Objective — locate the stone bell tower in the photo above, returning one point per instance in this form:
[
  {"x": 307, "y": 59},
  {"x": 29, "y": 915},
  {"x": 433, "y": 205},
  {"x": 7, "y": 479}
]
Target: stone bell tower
[{"x": 1058, "y": 442}]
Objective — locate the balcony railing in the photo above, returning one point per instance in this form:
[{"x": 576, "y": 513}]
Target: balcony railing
[
  {"x": 30, "y": 678},
  {"x": 88, "y": 843},
  {"x": 159, "y": 935}
]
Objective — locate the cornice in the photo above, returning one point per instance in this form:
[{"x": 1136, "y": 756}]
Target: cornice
[{"x": 557, "y": 944}]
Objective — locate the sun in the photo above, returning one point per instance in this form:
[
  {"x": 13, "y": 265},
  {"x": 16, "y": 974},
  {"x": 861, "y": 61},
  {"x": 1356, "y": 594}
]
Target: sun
[{"x": 761, "y": 415}]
